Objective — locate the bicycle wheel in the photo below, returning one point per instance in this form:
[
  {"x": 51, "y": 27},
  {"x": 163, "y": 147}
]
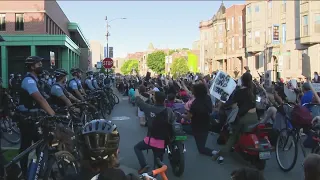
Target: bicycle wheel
[
  {"x": 60, "y": 165},
  {"x": 286, "y": 141},
  {"x": 116, "y": 98},
  {"x": 10, "y": 131}
]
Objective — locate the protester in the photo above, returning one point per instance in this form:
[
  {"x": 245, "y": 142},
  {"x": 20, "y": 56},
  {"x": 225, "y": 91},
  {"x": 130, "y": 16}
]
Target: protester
[{"x": 311, "y": 166}]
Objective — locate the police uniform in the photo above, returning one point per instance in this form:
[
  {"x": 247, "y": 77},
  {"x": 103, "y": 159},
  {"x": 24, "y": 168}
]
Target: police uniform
[
  {"x": 95, "y": 83},
  {"x": 88, "y": 84},
  {"x": 58, "y": 90},
  {"x": 74, "y": 84},
  {"x": 27, "y": 105}
]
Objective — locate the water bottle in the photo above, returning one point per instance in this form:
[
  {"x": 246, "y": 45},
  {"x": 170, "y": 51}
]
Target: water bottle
[{"x": 32, "y": 169}]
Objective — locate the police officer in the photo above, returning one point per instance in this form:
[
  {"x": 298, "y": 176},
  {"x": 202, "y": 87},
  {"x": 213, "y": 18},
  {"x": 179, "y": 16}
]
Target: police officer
[
  {"x": 88, "y": 81},
  {"x": 95, "y": 81},
  {"x": 44, "y": 86},
  {"x": 59, "y": 94},
  {"x": 31, "y": 101},
  {"x": 74, "y": 85}
]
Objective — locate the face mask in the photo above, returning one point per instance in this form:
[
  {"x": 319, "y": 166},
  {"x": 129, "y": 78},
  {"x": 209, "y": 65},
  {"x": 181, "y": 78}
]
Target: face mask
[
  {"x": 91, "y": 76},
  {"x": 38, "y": 70},
  {"x": 47, "y": 77}
]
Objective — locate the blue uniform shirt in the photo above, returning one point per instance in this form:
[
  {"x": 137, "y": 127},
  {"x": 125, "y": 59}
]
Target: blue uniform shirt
[
  {"x": 56, "y": 90},
  {"x": 95, "y": 83},
  {"x": 29, "y": 85},
  {"x": 89, "y": 84},
  {"x": 73, "y": 84}
]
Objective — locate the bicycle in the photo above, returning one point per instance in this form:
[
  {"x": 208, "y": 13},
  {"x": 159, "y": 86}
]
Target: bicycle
[
  {"x": 294, "y": 135},
  {"x": 11, "y": 132},
  {"x": 48, "y": 156},
  {"x": 161, "y": 170}
]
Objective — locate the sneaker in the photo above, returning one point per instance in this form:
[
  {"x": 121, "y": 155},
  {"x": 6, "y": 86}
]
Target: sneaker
[
  {"x": 215, "y": 155},
  {"x": 220, "y": 160},
  {"x": 144, "y": 169}
]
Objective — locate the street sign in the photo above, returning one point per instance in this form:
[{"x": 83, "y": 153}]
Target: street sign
[
  {"x": 99, "y": 65},
  {"x": 110, "y": 52},
  {"x": 107, "y": 63}
]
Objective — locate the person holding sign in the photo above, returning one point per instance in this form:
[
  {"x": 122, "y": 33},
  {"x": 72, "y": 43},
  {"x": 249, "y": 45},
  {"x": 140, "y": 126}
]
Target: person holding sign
[{"x": 245, "y": 99}]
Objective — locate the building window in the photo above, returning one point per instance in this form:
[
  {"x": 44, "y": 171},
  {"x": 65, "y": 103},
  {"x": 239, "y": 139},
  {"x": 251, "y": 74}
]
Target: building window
[
  {"x": 232, "y": 23},
  {"x": 220, "y": 28},
  {"x": 275, "y": 34},
  {"x": 257, "y": 37},
  {"x": 248, "y": 10},
  {"x": 220, "y": 45},
  {"x": 19, "y": 22},
  {"x": 284, "y": 33},
  {"x": 249, "y": 38},
  {"x": 305, "y": 25},
  {"x": 228, "y": 25},
  {"x": 240, "y": 42},
  {"x": 270, "y": 4},
  {"x": 232, "y": 43},
  {"x": 2, "y": 22},
  {"x": 317, "y": 23},
  {"x": 240, "y": 22},
  {"x": 284, "y": 5},
  {"x": 256, "y": 9},
  {"x": 257, "y": 61}
]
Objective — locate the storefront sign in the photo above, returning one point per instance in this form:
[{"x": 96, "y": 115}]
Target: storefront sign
[{"x": 223, "y": 86}]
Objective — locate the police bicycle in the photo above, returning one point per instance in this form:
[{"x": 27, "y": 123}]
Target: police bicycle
[{"x": 48, "y": 156}]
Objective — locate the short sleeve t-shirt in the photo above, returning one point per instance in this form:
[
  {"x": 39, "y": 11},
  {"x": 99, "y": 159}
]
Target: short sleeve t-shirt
[
  {"x": 244, "y": 102},
  {"x": 56, "y": 90}
]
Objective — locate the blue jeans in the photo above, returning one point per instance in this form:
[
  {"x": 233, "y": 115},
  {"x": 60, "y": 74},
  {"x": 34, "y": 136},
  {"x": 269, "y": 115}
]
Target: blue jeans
[{"x": 141, "y": 146}]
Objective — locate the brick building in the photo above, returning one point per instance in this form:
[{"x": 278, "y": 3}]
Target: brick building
[{"x": 39, "y": 28}]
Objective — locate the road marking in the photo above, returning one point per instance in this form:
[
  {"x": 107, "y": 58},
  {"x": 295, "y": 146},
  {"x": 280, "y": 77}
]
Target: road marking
[{"x": 120, "y": 118}]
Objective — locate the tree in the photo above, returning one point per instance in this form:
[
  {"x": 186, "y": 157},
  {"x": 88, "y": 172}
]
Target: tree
[
  {"x": 129, "y": 65},
  {"x": 179, "y": 67},
  {"x": 156, "y": 62}
]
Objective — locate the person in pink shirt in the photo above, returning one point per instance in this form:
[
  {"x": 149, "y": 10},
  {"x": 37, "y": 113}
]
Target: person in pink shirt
[{"x": 159, "y": 122}]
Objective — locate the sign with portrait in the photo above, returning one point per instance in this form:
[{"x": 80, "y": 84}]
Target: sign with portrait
[{"x": 222, "y": 86}]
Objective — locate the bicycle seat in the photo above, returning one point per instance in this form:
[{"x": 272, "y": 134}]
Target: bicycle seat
[{"x": 251, "y": 128}]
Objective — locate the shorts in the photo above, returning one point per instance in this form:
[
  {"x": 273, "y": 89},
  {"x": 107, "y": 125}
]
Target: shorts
[{"x": 140, "y": 113}]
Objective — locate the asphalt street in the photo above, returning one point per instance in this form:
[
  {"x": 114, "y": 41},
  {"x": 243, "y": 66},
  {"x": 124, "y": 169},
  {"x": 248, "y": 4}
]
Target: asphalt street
[{"x": 197, "y": 166}]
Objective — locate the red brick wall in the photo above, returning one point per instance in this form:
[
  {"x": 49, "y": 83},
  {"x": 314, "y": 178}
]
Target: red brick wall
[
  {"x": 34, "y": 15},
  {"x": 235, "y": 11}
]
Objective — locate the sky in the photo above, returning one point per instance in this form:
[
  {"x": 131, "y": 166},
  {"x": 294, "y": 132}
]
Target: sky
[{"x": 165, "y": 24}]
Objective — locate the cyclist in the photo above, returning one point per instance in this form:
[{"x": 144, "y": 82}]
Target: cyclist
[
  {"x": 74, "y": 85},
  {"x": 31, "y": 100},
  {"x": 88, "y": 81},
  {"x": 59, "y": 95},
  {"x": 44, "y": 86},
  {"x": 100, "y": 142},
  {"x": 95, "y": 80}
]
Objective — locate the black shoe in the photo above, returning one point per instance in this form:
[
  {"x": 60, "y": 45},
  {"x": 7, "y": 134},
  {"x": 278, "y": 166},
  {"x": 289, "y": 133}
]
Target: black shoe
[{"x": 144, "y": 169}]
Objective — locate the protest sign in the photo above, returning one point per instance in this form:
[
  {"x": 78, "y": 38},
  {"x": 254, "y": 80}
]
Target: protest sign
[
  {"x": 222, "y": 87},
  {"x": 316, "y": 87}
]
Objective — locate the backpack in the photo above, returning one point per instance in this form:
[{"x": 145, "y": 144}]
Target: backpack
[{"x": 301, "y": 117}]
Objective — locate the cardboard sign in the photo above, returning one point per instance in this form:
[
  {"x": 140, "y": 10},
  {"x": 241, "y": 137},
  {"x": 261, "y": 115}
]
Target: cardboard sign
[
  {"x": 316, "y": 87},
  {"x": 223, "y": 86}
]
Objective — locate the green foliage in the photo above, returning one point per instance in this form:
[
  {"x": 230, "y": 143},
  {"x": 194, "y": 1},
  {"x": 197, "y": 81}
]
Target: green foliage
[
  {"x": 104, "y": 70},
  {"x": 172, "y": 51},
  {"x": 130, "y": 64},
  {"x": 185, "y": 49},
  {"x": 179, "y": 67},
  {"x": 156, "y": 62}
]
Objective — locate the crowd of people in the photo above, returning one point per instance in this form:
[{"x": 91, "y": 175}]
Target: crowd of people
[{"x": 158, "y": 99}]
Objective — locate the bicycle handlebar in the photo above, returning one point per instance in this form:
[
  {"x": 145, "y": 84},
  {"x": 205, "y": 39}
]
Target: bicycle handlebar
[{"x": 163, "y": 168}]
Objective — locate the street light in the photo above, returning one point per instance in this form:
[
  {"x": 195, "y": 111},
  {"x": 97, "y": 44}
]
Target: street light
[{"x": 108, "y": 34}]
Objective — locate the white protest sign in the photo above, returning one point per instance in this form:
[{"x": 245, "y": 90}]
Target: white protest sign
[
  {"x": 222, "y": 87},
  {"x": 316, "y": 87}
]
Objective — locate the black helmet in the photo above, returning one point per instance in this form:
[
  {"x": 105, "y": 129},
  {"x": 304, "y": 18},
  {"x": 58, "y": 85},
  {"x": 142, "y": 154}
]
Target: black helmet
[
  {"x": 45, "y": 72},
  {"x": 32, "y": 60},
  {"x": 101, "y": 139},
  {"x": 89, "y": 72},
  {"x": 60, "y": 72}
]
